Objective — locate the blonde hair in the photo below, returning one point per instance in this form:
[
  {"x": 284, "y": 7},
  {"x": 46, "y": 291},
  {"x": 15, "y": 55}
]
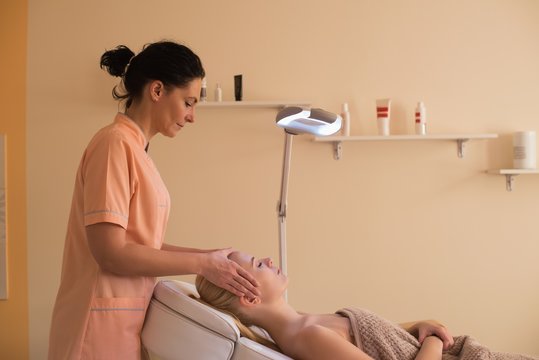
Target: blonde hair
[{"x": 223, "y": 300}]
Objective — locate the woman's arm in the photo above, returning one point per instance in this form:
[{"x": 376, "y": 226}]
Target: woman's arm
[
  {"x": 170, "y": 247},
  {"x": 316, "y": 342},
  {"x": 422, "y": 329},
  {"x": 114, "y": 254},
  {"x": 431, "y": 349}
]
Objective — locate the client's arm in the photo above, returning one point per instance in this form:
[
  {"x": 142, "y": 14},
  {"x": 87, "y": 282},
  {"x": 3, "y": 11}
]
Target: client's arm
[
  {"x": 431, "y": 349},
  {"x": 422, "y": 329}
]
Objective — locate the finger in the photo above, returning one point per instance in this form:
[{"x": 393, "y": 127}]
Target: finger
[
  {"x": 246, "y": 287},
  {"x": 226, "y": 251},
  {"x": 421, "y": 336},
  {"x": 234, "y": 291},
  {"x": 449, "y": 344},
  {"x": 247, "y": 276},
  {"x": 241, "y": 290},
  {"x": 446, "y": 337}
]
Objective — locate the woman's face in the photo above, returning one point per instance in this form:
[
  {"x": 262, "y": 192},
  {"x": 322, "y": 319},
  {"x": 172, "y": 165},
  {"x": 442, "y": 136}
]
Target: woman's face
[
  {"x": 175, "y": 107},
  {"x": 270, "y": 278}
]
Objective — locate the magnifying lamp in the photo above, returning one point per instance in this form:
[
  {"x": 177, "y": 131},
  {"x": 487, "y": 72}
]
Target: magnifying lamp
[{"x": 295, "y": 121}]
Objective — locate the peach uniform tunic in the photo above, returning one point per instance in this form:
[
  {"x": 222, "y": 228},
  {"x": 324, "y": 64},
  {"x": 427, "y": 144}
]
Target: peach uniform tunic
[{"x": 99, "y": 315}]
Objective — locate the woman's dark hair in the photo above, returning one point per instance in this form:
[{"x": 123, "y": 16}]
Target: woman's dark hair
[{"x": 171, "y": 63}]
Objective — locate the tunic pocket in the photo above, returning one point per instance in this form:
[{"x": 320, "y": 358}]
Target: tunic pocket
[{"x": 113, "y": 330}]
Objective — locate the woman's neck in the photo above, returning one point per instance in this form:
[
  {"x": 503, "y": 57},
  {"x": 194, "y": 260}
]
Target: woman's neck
[
  {"x": 278, "y": 319},
  {"x": 140, "y": 115}
]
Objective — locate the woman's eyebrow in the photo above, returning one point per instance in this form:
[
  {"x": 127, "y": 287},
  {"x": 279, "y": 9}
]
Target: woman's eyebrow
[{"x": 253, "y": 261}]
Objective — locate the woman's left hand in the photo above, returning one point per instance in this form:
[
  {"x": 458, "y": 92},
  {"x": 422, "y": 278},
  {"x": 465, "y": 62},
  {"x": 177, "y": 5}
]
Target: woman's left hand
[
  {"x": 227, "y": 274},
  {"x": 431, "y": 327}
]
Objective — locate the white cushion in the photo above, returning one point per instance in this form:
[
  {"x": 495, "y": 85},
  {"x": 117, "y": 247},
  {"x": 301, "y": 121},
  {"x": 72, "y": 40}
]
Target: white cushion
[
  {"x": 178, "y": 327},
  {"x": 175, "y": 295},
  {"x": 169, "y": 336}
]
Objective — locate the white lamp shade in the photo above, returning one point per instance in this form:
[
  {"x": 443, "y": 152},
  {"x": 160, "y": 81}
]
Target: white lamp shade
[{"x": 297, "y": 120}]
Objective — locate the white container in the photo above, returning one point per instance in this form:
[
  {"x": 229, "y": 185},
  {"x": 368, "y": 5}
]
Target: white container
[
  {"x": 345, "y": 131},
  {"x": 383, "y": 126},
  {"x": 420, "y": 119},
  {"x": 383, "y": 111},
  {"x": 218, "y": 93},
  {"x": 524, "y": 150}
]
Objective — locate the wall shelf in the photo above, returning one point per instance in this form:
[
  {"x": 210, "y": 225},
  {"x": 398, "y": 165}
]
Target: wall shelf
[
  {"x": 461, "y": 139},
  {"x": 250, "y": 104},
  {"x": 510, "y": 175}
]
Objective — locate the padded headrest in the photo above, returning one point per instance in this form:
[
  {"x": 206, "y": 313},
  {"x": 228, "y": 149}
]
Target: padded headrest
[{"x": 175, "y": 295}]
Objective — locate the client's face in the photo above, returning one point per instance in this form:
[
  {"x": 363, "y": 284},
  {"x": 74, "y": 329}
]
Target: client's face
[{"x": 272, "y": 281}]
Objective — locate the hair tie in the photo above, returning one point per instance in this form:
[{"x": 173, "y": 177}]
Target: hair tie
[{"x": 128, "y": 63}]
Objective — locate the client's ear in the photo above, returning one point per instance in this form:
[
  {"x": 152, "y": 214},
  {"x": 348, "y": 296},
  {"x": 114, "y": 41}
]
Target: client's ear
[{"x": 245, "y": 301}]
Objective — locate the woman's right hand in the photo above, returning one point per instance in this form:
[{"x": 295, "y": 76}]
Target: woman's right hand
[
  {"x": 427, "y": 328},
  {"x": 227, "y": 274}
]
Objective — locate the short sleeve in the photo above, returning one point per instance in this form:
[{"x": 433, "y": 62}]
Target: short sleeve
[{"x": 107, "y": 181}]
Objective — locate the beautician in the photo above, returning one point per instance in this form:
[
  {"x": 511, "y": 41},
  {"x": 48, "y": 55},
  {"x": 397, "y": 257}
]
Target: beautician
[{"x": 114, "y": 244}]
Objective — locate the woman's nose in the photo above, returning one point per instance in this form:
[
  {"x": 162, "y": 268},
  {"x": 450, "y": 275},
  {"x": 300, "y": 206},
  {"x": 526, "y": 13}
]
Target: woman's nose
[
  {"x": 269, "y": 262},
  {"x": 190, "y": 117}
]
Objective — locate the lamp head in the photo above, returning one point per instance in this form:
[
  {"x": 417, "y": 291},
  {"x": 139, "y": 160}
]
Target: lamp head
[{"x": 296, "y": 120}]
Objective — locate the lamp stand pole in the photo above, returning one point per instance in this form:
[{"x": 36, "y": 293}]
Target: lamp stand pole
[{"x": 282, "y": 204}]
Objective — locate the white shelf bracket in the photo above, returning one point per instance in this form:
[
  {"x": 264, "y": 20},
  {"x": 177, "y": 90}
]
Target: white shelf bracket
[
  {"x": 460, "y": 147},
  {"x": 337, "y": 150},
  {"x": 509, "y": 180}
]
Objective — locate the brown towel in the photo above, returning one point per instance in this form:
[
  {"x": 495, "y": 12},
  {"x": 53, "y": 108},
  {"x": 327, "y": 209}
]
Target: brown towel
[{"x": 383, "y": 340}]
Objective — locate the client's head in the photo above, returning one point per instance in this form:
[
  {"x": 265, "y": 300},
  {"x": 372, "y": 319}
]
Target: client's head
[{"x": 272, "y": 284}]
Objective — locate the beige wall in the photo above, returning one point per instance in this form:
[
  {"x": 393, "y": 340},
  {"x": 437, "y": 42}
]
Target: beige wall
[
  {"x": 407, "y": 230},
  {"x": 14, "y": 310}
]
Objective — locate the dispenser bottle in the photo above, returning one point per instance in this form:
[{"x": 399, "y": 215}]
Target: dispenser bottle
[
  {"x": 203, "y": 93},
  {"x": 420, "y": 119},
  {"x": 218, "y": 93}
]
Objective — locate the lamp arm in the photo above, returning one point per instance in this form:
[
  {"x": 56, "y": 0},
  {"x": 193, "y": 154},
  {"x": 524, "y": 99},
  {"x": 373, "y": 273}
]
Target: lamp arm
[{"x": 283, "y": 201}]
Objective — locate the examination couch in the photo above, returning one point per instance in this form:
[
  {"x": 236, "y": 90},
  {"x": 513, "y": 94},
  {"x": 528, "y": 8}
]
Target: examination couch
[{"x": 178, "y": 327}]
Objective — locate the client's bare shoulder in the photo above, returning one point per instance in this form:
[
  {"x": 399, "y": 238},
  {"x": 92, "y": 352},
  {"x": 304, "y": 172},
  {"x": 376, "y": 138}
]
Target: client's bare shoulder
[{"x": 318, "y": 342}]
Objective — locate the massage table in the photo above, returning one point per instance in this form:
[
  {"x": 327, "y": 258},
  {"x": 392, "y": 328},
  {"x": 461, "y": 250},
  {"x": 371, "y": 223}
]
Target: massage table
[{"x": 178, "y": 327}]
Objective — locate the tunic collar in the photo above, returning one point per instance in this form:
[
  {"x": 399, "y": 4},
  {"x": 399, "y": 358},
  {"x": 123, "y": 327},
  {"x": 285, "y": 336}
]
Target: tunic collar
[{"x": 134, "y": 130}]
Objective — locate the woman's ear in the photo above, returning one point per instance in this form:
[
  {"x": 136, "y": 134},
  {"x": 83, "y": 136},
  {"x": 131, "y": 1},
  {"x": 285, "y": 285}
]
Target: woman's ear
[
  {"x": 156, "y": 90},
  {"x": 245, "y": 301}
]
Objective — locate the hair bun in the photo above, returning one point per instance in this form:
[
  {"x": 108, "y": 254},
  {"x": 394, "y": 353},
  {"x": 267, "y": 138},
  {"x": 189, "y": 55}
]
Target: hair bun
[{"x": 115, "y": 61}]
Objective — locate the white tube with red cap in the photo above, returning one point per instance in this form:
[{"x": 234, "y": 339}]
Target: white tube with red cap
[
  {"x": 382, "y": 115},
  {"x": 420, "y": 119}
]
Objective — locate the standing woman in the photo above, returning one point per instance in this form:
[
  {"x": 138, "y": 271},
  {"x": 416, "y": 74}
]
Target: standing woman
[{"x": 114, "y": 244}]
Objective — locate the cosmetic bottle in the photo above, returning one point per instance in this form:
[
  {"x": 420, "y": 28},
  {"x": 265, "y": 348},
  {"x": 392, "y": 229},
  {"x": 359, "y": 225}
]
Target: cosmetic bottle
[
  {"x": 345, "y": 131},
  {"x": 382, "y": 116},
  {"x": 203, "y": 93},
  {"x": 420, "y": 119},
  {"x": 218, "y": 93}
]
